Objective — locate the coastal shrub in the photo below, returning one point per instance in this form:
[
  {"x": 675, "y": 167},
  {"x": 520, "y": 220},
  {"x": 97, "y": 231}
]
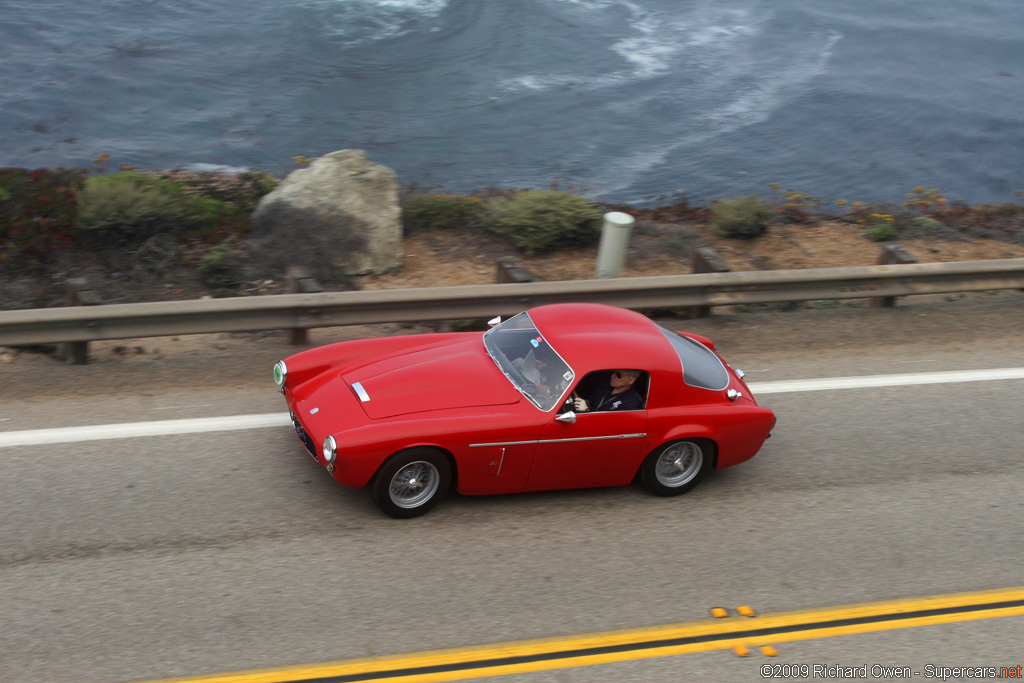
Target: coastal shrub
[
  {"x": 238, "y": 194},
  {"x": 442, "y": 212},
  {"x": 741, "y": 217},
  {"x": 928, "y": 223},
  {"x": 924, "y": 199},
  {"x": 880, "y": 227},
  {"x": 880, "y": 232},
  {"x": 221, "y": 268},
  {"x": 538, "y": 221},
  {"x": 993, "y": 221},
  {"x": 244, "y": 189},
  {"x": 796, "y": 207},
  {"x": 128, "y": 208},
  {"x": 37, "y": 214}
]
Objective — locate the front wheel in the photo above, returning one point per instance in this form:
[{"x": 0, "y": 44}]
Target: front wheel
[
  {"x": 675, "y": 468},
  {"x": 411, "y": 482}
]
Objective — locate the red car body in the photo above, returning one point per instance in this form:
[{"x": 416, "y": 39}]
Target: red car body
[{"x": 461, "y": 398}]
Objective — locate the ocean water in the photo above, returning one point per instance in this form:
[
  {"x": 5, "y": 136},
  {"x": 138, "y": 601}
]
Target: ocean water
[{"x": 620, "y": 99}]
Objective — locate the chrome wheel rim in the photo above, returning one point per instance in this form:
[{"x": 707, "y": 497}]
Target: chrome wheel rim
[
  {"x": 679, "y": 464},
  {"x": 414, "y": 484}
]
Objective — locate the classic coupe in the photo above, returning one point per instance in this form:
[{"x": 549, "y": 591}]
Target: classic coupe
[{"x": 507, "y": 410}]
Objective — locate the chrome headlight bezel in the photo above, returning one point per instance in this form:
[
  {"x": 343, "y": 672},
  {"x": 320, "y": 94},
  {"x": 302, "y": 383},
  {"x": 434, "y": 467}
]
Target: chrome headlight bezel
[
  {"x": 329, "y": 450},
  {"x": 280, "y": 373}
]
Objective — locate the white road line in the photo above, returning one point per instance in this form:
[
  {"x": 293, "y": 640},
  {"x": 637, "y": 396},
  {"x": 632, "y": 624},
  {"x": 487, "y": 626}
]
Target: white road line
[
  {"x": 871, "y": 381},
  {"x": 196, "y": 405},
  {"x": 128, "y": 430}
]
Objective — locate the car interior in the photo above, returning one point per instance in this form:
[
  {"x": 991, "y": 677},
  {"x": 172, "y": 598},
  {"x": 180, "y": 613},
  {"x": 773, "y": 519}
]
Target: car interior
[{"x": 593, "y": 380}]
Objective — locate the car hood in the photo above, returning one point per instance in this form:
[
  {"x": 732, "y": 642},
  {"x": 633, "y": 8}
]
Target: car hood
[{"x": 450, "y": 376}]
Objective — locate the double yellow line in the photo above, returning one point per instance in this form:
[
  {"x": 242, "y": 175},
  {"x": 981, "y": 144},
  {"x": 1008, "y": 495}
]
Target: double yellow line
[{"x": 658, "y": 641}]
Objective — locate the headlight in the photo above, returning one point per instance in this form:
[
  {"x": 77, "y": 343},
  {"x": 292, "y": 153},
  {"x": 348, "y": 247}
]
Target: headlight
[
  {"x": 330, "y": 449},
  {"x": 280, "y": 373}
]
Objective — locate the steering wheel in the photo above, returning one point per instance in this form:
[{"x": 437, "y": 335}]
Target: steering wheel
[{"x": 517, "y": 376}]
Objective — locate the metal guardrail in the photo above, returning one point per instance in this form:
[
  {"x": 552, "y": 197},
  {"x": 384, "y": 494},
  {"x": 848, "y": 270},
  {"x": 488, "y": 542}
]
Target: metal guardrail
[{"x": 305, "y": 311}]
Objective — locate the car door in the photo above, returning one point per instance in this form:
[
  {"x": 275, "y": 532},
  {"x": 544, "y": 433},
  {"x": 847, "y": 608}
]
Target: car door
[{"x": 580, "y": 450}]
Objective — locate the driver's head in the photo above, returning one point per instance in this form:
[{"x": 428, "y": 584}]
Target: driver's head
[{"x": 624, "y": 378}]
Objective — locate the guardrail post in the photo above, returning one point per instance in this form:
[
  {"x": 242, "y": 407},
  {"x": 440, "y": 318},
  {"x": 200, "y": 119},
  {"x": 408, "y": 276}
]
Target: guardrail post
[
  {"x": 611, "y": 253},
  {"x": 301, "y": 281},
  {"x": 80, "y": 293},
  {"x": 706, "y": 260},
  {"x": 510, "y": 270},
  {"x": 892, "y": 254}
]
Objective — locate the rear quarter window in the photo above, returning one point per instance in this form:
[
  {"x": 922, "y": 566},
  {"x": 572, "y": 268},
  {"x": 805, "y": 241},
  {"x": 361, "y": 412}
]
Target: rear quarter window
[{"x": 701, "y": 367}]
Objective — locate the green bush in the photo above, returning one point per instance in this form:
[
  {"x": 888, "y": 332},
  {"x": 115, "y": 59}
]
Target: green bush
[
  {"x": 442, "y": 212},
  {"x": 37, "y": 214},
  {"x": 128, "y": 208},
  {"x": 928, "y": 223},
  {"x": 742, "y": 217},
  {"x": 220, "y": 268},
  {"x": 242, "y": 189},
  {"x": 539, "y": 220},
  {"x": 238, "y": 194},
  {"x": 880, "y": 231}
]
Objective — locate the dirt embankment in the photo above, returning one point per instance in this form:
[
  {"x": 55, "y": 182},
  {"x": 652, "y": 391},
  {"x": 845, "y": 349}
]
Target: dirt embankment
[{"x": 442, "y": 258}]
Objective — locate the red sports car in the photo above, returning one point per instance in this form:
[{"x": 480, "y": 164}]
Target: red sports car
[{"x": 561, "y": 396}]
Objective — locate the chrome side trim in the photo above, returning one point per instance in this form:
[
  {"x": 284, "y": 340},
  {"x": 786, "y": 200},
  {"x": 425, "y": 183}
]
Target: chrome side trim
[
  {"x": 361, "y": 392},
  {"x": 596, "y": 438},
  {"x": 584, "y": 438}
]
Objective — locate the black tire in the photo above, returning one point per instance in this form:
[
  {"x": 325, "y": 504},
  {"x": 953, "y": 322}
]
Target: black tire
[
  {"x": 411, "y": 482},
  {"x": 675, "y": 468}
]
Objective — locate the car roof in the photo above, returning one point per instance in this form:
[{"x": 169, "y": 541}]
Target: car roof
[{"x": 600, "y": 337}]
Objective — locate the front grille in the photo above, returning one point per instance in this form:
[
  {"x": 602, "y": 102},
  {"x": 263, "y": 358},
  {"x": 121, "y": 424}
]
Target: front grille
[{"x": 304, "y": 437}]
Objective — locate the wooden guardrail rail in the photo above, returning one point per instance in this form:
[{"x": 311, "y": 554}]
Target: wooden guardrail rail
[{"x": 327, "y": 309}]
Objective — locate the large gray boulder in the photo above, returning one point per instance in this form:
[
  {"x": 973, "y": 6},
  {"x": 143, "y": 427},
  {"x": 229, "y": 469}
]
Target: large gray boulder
[{"x": 342, "y": 204}]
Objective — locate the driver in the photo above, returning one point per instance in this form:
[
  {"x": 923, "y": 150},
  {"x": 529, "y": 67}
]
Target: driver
[
  {"x": 615, "y": 394},
  {"x": 535, "y": 371}
]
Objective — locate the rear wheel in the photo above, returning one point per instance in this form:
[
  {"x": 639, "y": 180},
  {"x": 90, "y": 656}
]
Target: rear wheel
[
  {"x": 675, "y": 468},
  {"x": 411, "y": 482}
]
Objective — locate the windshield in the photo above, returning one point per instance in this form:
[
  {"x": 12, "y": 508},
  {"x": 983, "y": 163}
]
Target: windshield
[{"x": 529, "y": 362}]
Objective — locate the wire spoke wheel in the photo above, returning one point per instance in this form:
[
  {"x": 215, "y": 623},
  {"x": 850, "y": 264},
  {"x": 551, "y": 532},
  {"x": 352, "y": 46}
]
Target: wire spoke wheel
[
  {"x": 678, "y": 464},
  {"x": 414, "y": 484},
  {"x": 676, "y": 467},
  {"x": 411, "y": 482}
]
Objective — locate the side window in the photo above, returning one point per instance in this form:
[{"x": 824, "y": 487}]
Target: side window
[{"x": 597, "y": 389}]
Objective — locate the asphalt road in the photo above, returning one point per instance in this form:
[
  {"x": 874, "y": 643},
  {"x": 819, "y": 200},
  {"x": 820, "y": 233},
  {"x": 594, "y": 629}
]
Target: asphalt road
[{"x": 146, "y": 558}]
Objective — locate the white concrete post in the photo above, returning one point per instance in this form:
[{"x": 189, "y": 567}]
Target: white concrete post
[{"x": 611, "y": 255}]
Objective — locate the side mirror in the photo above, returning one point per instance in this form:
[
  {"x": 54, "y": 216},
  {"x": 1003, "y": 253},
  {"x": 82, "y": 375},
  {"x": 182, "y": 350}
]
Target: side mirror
[
  {"x": 494, "y": 322},
  {"x": 569, "y": 418}
]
